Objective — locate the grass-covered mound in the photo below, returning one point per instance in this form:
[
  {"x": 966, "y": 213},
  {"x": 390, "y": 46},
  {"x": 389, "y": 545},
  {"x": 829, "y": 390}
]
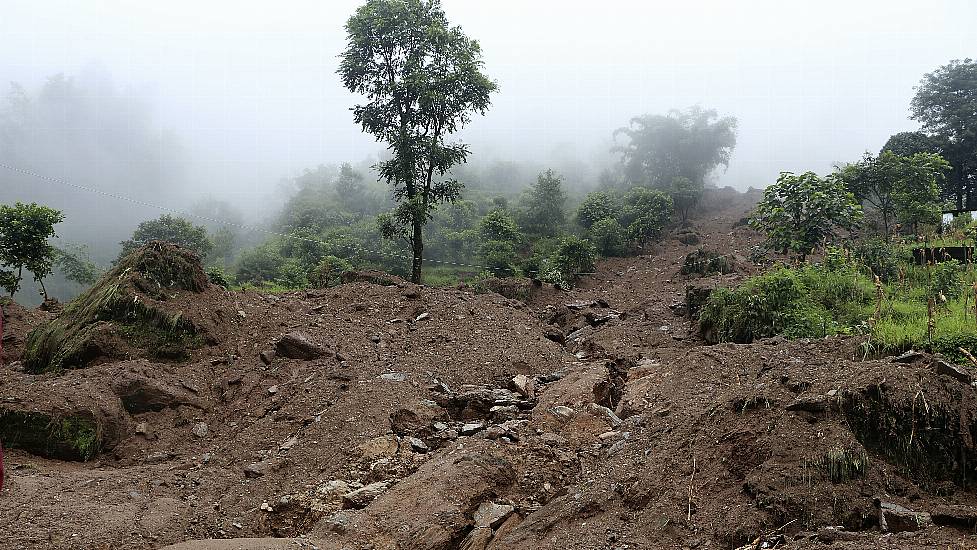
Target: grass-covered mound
[
  {"x": 874, "y": 291},
  {"x": 67, "y": 438},
  {"x": 125, "y": 308}
]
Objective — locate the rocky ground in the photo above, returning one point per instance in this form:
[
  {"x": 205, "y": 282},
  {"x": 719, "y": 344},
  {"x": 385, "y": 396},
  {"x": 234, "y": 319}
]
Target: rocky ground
[{"x": 381, "y": 415}]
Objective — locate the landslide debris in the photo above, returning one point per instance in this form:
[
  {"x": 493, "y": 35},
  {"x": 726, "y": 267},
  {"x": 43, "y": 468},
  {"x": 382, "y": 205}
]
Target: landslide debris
[{"x": 139, "y": 307}]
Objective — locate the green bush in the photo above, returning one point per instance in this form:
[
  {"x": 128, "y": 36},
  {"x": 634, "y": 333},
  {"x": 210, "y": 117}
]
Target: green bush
[
  {"x": 609, "y": 237},
  {"x": 595, "y": 207},
  {"x": 329, "y": 272},
  {"x": 808, "y": 302},
  {"x": 947, "y": 279},
  {"x": 573, "y": 257},
  {"x": 704, "y": 262},
  {"x": 217, "y": 276},
  {"x": 499, "y": 258}
]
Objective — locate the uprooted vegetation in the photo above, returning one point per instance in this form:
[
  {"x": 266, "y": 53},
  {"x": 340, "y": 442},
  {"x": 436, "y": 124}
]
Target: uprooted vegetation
[{"x": 128, "y": 306}]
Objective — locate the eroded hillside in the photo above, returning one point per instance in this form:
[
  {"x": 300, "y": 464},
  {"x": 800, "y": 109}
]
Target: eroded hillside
[{"x": 380, "y": 414}]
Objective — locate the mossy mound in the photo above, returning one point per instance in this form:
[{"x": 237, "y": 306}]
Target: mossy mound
[
  {"x": 74, "y": 437},
  {"x": 126, "y": 307}
]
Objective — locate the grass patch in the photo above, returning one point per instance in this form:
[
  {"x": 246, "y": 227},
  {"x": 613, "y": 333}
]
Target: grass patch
[{"x": 64, "y": 438}]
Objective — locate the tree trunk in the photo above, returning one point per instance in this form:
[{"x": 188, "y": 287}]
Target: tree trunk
[{"x": 417, "y": 246}]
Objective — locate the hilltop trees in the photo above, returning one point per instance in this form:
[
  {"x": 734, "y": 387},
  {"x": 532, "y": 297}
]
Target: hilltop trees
[
  {"x": 171, "y": 229},
  {"x": 689, "y": 144},
  {"x": 946, "y": 103},
  {"x": 24, "y": 233},
  {"x": 799, "y": 211},
  {"x": 542, "y": 207},
  {"x": 422, "y": 80}
]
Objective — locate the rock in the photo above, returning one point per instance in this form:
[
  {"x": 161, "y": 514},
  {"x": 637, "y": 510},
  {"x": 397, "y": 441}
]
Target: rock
[
  {"x": 289, "y": 443},
  {"x": 894, "y": 518},
  {"x": 562, "y": 412},
  {"x": 334, "y": 489},
  {"x": 140, "y": 394},
  {"x": 394, "y": 376},
  {"x": 255, "y": 469},
  {"x": 273, "y": 389},
  {"x": 695, "y": 298},
  {"x": 422, "y": 316},
  {"x": 478, "y": 539},
  {"x": 608, "y": 414},
  {"x": 947, "y": 369},
  {"x": 554, "y": 334},
  {"x": 267, "y": 356},
  {"x": 472, "y": 428},
  {"x": 553, "y": 440},
  {"x": 495, "y": 432},
  {"x": 909, "y": 357},
  {"x": 360, "y": 498},
  {"x": 298, "y": 345},
  {"x": 523, "y": 385},
  {"x": 377, "y": 448},
  {"x": 492, "y": 515},
  {"x": 200, "y": 429},
  {"x": 417, "y": 445},
  {"x": 808, "y": 403},
  {"x": 145, "y": 430},
  {"x": 416, "y": 420}
]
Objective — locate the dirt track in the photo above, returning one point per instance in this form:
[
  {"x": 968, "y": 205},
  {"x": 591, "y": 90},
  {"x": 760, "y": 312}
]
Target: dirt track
[{"x": 405, "y": 429}]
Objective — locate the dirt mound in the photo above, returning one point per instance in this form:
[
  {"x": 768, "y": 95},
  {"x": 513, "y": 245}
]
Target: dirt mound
[{"x": 139, "y": 307}]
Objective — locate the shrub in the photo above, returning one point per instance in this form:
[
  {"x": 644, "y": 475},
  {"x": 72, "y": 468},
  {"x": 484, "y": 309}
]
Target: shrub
[
  {"x": 260, "y": 264},
  {"x": 645, "y": 213},
  {"x": 498, "y": 257},
  {"x": 704, "y": 262},
  {"x": 292, "y": 275},
  {"x": 877, "y": 256},
  {"x": 217, "y": 276},
  {"x": 329, "y": 272},
  {"x": 573, "y": 257},
  {"x": 609, "y": 237},
  {"x": 595, "y": 207},
  {"x": 947, "y": 279}
]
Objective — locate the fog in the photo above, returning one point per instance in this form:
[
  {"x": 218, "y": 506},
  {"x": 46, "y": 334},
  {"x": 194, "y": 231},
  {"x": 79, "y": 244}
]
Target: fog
[{"x": 187, "y": 101}]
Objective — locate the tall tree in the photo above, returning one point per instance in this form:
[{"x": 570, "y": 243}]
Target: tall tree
[
  {"x": 916, "y": 192},
  {"x": 946, "y": 105},
  {"x": 423, "y": 80},
  {"x": 690, "y": 144},
  {"x": 798, "y": 212},
  {"x": 24, "y": 233},
  {"x": 542, "y": 213}
]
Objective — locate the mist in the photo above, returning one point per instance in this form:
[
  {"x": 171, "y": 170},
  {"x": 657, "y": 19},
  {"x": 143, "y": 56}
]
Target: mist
[{"x": 185, "y": 105}]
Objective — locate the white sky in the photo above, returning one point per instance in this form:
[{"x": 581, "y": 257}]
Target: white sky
[{"x": 251, "y": 87}]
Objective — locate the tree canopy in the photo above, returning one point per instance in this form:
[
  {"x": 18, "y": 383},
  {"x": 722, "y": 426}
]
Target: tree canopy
[
  {"x": 800, "y": 211},
  {"x": 690, "y": 144},
  {"x": 171, "y": 229},
  {"x": 946, "y": 105},
  {"x": 422, "y": 80},
  {"x": 24, "y": 233}
]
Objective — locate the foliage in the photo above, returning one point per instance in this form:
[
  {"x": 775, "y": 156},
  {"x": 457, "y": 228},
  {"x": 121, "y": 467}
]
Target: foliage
[
  {"x": 542, "y": 207},
  {"x": 329, "y": 272},
  {"x": 797, "y": 303},
  {"x": 685, "y": 194},
  {"x": 946, "y": 279},
  {"x": 907, "y": 144},
  {"x": 945, "y": 103},
  {"x": 878, "y": 257},
  {"x": 573, "y": 257},
  {"x": 261, "y": 263},
  {"x": 595, "y": 207},
  {"x": 645, "y": 213},
  {"x": 76, "y": 264},
  {"x": 169, "y": 229},
  {"x": 499, "y": 257},
  {"x": 423, "y": 81},
  {"x": 609, "y": 237},
  {"x": 217, "y": 276},
  {"x": 690, "y": 144},
  {"x": 704, "y": 262},
  {"x": 292, "y": 275},
  {"x": 916, "y": 193},
  {"x": 799, "y": 212},
  {"x": 24, "y": 233},
  {"x": 499, "y": 225}
]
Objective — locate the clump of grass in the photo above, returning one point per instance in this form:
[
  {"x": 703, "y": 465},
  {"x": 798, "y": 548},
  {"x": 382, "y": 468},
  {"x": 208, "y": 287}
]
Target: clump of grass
[
  {"x": 118, "y": 300},
  {"x": 841, "y": 465},
  {"x": 68, "y": 437}
]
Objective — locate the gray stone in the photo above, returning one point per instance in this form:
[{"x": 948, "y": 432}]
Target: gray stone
[
  {"x": 200, "y": 430},
  {"x": 894, "y": 518},
  {"x": 491, "y": 515},
  {"x": 394, "y": 376},
  {"x": 472, "y": 428},
  {"x": 417, "y": 445},
  {"x": 562, "y": 412},
  {"x": 360, "y": 498}
]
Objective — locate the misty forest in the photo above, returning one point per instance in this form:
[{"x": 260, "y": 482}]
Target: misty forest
[{"x": 424, "y": 274}]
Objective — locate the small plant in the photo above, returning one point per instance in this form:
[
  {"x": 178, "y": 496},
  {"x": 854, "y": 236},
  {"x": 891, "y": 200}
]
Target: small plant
[
  {"x": 704, "y": 262},
  {"x": 217, "y": 276},
  {"x": 329, "y": 272},
  {"x": 609, "y": 237}
]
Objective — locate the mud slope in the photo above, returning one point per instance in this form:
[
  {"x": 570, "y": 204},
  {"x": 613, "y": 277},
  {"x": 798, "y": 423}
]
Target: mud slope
[{"x": 385, "y": 415}]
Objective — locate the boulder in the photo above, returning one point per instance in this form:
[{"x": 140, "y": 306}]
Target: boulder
[
  {"x": 299, "y": 345},
  {"x": 360, "y": 498},
  {"x": 141, "y": 394},
  {"x": 894, "y": 518}
]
